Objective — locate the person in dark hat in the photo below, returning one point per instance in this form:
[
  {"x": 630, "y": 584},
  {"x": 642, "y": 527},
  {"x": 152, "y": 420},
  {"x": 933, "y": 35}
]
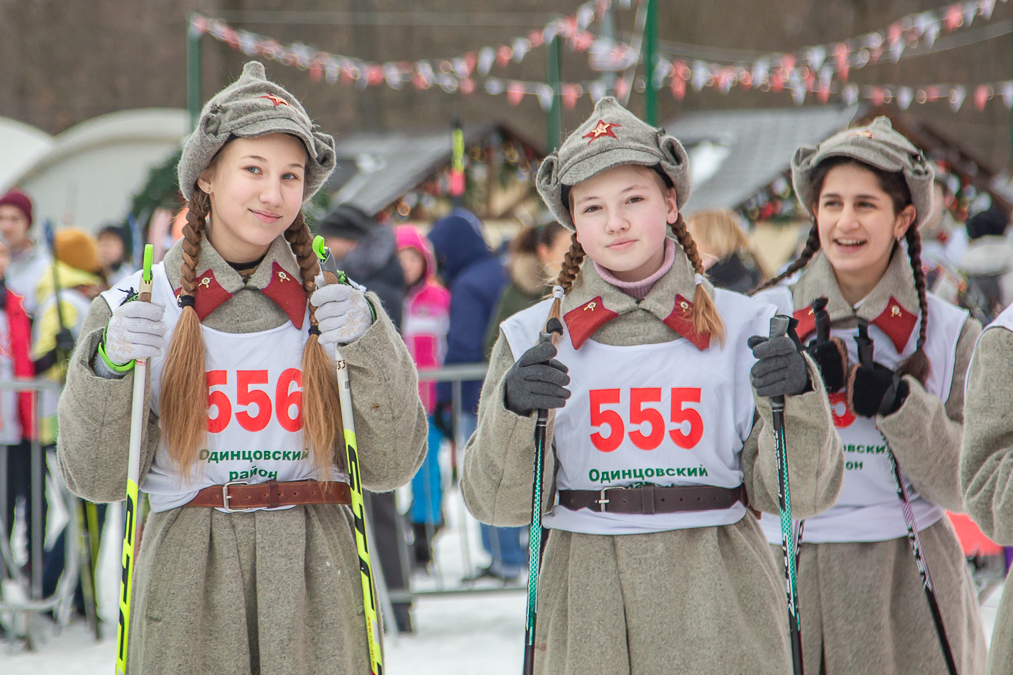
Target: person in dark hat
[
  {"x": 987, "y": 264},
  {"x": 113, "y": 251},
  {"x": 29, "y": 261},
  {"x": 367, "y": 252}
]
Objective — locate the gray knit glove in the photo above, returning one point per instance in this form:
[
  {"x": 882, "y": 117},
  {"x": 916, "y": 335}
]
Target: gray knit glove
[
  {"x": 780, "y": 369},
  {"x": 342, "y": 313},
  {"x": 536, "y": 381}
]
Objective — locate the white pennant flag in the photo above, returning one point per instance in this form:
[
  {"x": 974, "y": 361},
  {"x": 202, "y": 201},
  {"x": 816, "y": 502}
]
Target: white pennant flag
[
  {"x": 247, "y": 42},
  {"x": 494, "y": 87},
  {"x": 701, "y": 73},
  {"x": 585, "y": 15},
  {"x": 545, "y": 96},
  {"x": 816, "y": 56},
  {"x": 897, "y": 49},
  {"x": 970, "y": 11},
  {"x": 521, "y": 47},
  {"x": 486, "y": 57},
  {"x": 986, "y": 8},
  {"x": 1007, "y": 94},
  {"x": 957, "y": 96},
  {"x": 932, "y": 32},
  {"x": 904, "y": 97},
  {"x": 392, "y": 74},
  {"x": 332, "y": 70},
  {"x": 447, "y": 82},
  {"x": 850, "y": 94},
  {"x": 662, "y": 69},
  {"x": 760, "y": 71},
  {"x": 798, "y": 88},
  {"x": 597, "y": 90}
]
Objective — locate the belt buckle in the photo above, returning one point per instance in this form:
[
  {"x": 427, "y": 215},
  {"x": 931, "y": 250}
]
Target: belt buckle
[
  {"x": 225, "y": 497},
  {"x": 602, "y": 500}
]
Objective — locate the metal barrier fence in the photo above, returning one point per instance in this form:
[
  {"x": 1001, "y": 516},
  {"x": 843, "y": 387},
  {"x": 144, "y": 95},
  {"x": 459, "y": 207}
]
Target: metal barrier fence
[{"x": 32, "y": 603}]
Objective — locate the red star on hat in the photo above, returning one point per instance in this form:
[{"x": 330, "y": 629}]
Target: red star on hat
[
  {"x": 275, "y": 100},
  {"x": 602, "y": 129}
]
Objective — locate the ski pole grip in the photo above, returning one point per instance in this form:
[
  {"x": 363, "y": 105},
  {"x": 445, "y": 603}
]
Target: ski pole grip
[
  {"x": 778, "y": 328},
  {"x": 145, "y": 291},
  {"x": 865, "y": 346}
]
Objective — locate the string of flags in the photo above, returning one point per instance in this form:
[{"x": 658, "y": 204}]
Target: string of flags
[{"x": 822, "y": 71}]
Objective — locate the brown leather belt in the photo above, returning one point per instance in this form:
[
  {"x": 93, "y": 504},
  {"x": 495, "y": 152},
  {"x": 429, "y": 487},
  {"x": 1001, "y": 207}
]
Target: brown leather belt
[
  {"x": 241, "y": 496},
  {"x": 650, "y": 499}
]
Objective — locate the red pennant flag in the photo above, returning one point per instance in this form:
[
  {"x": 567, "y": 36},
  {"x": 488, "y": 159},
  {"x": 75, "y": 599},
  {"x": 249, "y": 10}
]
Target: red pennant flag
[
  {"x": 571, "y": 92},
  {"x": 841, "y": 55},
  {"x": 515, "y": 93},
  {"x": 467, "y": 86},
  {"x": 503, "y": 55},
  {"x": 678, "y": 87},
  {"x": 981, "y": 96}
]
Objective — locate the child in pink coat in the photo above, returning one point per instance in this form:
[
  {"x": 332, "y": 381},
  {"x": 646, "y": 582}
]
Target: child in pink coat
[{"x": 424, "y": 327}]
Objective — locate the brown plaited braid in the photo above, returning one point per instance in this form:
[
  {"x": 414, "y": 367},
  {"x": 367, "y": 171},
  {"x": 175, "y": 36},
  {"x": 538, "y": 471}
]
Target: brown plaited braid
[
  {"x": 917, "y": 365},
  {"x": 812, "y": 245},
  {"x": 681, "y": 233},
  {"x": 196, "y": 218},
  {"x": 300, "y": 238},
  {"x": 567, "y": 275}
]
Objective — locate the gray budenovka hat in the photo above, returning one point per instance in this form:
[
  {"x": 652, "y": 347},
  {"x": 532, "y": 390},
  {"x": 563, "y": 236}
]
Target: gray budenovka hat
[
  {"x": 610, "y": 137},
  {"x": 876, "y": 144},
  {"x": 254, "y": 106}
]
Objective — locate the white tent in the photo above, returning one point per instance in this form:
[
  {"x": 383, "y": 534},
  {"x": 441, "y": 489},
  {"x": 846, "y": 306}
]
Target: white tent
[
  {"x": 92, "y": 170},
  {"x": 21, "y": 146}
]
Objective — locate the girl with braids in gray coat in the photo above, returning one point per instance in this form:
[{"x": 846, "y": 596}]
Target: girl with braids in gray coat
[
  {"x": 662, "y": 451},
  {"x": 863, "y": 608},
  {"x": 248, "y": 561}
]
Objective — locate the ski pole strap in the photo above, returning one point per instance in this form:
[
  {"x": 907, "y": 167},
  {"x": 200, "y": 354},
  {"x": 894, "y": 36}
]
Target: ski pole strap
[
  {"x": 241, "y": 496},
  {"x": 651, "y": 499}
]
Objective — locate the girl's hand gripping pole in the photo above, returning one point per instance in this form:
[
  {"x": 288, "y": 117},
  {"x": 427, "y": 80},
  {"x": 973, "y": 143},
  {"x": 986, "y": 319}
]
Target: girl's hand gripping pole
[
  {"x": 137, "y": 418},
  {"x": 779, "y": 326},
  {"x": 333, "y": 275}
]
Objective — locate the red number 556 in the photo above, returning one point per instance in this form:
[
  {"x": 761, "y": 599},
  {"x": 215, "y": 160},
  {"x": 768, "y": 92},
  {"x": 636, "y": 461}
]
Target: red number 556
[
  {"x": 259, "y": 407},
  {"x": 639, "y": 413}
]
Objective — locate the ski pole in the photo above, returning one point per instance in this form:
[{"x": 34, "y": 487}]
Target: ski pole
[
  {"x": 137, "y": 415},
  {"x": 778, "y": 327},
  {"x": 332, "y": 275},
  {"x": 866, "y": 353},
  {"x": 553, "y": 327}
]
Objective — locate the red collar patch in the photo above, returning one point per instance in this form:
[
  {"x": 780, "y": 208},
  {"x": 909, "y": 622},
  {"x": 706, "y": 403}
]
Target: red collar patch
[
  {"x": 583, "y": 321},
  {"x": 806, "y": 322},
  {"x": 681, "y": 321},
  {"x": 288, "y": 293},
  {"x": 897, "y": 323},
  {"x": 602, "y": 129},
  {"x": 208, "y": 294}
]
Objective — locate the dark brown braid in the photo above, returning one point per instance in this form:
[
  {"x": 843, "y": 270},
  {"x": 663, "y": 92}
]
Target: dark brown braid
[
  {"x": 321, "y": 409},
  {"x": 917, "y": 365},
  {"x": 572, "y": 262},
  {"x": 706, "y": 318},
  {"x": 196, "y": 218},
  {"x": 812, "y": 245}
]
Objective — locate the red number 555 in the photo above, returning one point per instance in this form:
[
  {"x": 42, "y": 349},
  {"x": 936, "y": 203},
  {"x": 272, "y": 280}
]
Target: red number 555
[{"x": 639, "y": 413}]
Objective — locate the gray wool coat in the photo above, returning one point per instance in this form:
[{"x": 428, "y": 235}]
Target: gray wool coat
[
  {"x": 265, "y": 592},
  {"x": 986, "y": 465},
  {"x": 704, "y": 600},
  {"x": 863, "y": 610}
]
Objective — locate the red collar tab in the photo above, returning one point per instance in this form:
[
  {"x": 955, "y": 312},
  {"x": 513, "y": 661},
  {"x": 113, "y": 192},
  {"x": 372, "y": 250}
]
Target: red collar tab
[
  {"x": 208, "y": 294},
  {"x": 897, "y": 323},
  {"x": 681, "y": 321},
  {"x": 806, "y": 322},
  {"x": 583, "y": 321},
  {"x": 288, "y": 293}
]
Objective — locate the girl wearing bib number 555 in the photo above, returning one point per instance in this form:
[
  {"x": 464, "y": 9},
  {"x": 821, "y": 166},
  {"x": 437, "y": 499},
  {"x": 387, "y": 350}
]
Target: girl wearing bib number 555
[
  {"x": 863, "y": 607},
  {"x": 248, "y": 561},
  {"x": 661, "y": 447}
]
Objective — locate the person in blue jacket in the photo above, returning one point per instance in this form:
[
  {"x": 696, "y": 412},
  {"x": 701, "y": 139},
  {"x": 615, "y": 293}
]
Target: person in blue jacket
[{"x": 476, "y": 279}]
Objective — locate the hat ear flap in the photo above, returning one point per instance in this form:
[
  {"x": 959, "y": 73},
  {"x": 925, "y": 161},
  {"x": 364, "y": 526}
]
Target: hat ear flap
[
  {"x": 673, "y": 155},
  {"x": 549, "y": 187},
  {"x": 324, "y": 150}
]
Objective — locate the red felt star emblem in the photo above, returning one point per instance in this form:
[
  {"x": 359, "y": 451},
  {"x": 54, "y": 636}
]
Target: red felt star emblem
[
  {"x": 275, "y": 100},
  {"x": 602, "y": 129}
]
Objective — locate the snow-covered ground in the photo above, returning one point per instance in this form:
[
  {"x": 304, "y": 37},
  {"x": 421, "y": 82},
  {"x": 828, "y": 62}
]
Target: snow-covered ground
[{"x": 468, "y": 633}]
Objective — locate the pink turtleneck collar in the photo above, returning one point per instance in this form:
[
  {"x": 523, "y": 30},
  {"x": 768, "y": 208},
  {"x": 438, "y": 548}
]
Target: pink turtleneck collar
[{"x": 639, "y": 289}]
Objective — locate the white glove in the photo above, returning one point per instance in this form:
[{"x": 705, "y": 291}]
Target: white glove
[
  {"x": 135, "y": 331},
  {"x": 342, "y": 313}
]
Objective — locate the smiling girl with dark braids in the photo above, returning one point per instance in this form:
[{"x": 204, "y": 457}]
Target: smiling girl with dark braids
[
  {"x": 248, "y": 562},
  {"x": 863, "y": 608}
]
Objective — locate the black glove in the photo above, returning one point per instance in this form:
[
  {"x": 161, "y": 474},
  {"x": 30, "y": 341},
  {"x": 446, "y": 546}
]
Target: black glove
[
  {"x": 831, "y": 357},
  {"x": 780, "y": 369},
  {"x": 875, "y": 390},
  {"x": 536, "y": 381}
]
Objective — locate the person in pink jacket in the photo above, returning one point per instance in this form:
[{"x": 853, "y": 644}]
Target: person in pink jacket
[{"x": 424, "y": 327}]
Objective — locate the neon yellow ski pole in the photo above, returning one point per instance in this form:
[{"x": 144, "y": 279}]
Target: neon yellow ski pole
[
  {"x": 328, "y": 265},
  {"x": 137, "y": 415}
]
